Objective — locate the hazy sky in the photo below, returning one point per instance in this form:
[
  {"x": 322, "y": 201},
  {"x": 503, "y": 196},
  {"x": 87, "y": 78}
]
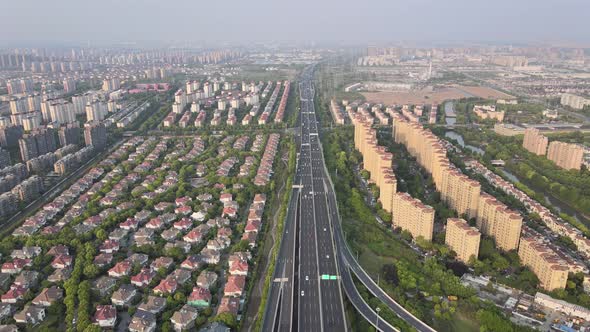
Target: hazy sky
[{"x": 361, "y": 21}]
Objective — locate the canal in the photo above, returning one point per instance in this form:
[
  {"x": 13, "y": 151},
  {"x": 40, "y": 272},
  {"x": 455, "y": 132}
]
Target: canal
[
  {"x": 558, "y": 205},
  {"x": 457, "y": 137},
  {"x": 450, "y": 115}
]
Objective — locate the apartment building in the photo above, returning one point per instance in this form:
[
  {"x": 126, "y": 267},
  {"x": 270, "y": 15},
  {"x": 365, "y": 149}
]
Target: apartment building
[
  {"x": 4, "y": 158},
  {"x": 61, "y": 111},
  {"x": 566, "y": 155},
  {"x": 462, "y": 238},
  {"x": 111, "y": 84},
  {"x": 573, "y": 101},
  {"x": 95, "y": 134},
  {"x": 376, "y": 160},
  {"x": 544, "y": 262},
  {"x": 38, "y": 142},
  {"x": 9, "y": 135},
  {"x": 412, "y": 215},
  {"x": 29, "y": 189},
  {"x": 498, "y": 221},
  {"x": 535, "y": 142},
  {"x": 460, "y": 192},
  {"x": 96, "y": 111},
  {"x": 69, "y": 134},
  {"x": 488, "y": 112},
  {"x": 69, "y": 85}
]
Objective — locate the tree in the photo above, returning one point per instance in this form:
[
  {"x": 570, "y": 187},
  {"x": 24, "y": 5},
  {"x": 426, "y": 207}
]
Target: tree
[
  {"x": 91, "y": 271},
  {"x": 101, "y": 234},
  {"x": 92, "y": 328},
  {"x": 406, "y": 235},
  {"x": 226, "y": 318},
  {"x": 390, "y": 274}
]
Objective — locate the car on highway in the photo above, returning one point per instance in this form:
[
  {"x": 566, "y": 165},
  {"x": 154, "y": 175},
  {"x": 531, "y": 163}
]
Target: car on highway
[{"x": 302, "y": 293}]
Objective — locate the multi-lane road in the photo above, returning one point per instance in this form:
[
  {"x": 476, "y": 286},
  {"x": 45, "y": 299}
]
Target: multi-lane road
[
  {"x": 305, "y": 294},
  {"x": 314, "y": 266}
]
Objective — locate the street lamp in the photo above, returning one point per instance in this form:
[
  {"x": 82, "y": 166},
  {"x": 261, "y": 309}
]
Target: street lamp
[{"x": 377, "y": 325}]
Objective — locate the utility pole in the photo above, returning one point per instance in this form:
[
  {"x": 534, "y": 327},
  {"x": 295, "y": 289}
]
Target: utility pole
[{"x": 377, "y": 323}]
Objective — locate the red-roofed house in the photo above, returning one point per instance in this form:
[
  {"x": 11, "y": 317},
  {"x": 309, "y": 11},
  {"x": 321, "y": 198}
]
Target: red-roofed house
[
  {"x": 184, "y": 210},
  {"x": 14, "y": 294},
  {"x": 120, "y": 269},
  {"x": 183, "y": 224},
  {"x": 229, "y": 212},
  {"x": 252, "y": 226},
  {"x": 182, "y": 201},
  {"x": 200, "y": 297},
  {"x": 144, "y": 277},
  {"x": 226, "y": 197},
  {"x": 16, "y": 265},
  {"x": 194, "y": 236},
  {"x": 166, "y": 286},
  {"x": 61, "y": 261},
  {"x": 229, "y": 304},
  {"x": 105, "y": 316},
  {"x": 130, "y": 224},
  {"x": 109, "y": 246},
  {"x": 234, "y": 286},
  {"x": 239, "y": 267},
  {"x": 191, "y": 263}
]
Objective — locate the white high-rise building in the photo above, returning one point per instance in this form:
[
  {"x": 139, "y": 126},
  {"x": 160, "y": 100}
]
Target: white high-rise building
[
  {"x": 573, "y": 101},
  {"x": 34, "y": 102},
  {"x": 95, "y": 111},
  {"x": 31, "y": 122},
  {"x": 207, "y": 90},
  {"x": 61, "y": 111}
]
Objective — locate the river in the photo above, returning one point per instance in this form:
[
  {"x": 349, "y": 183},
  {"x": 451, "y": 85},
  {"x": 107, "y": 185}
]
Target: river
[
  {"x": 550, "y": 200},
  {"x": 450, "y": 115},
  {"x": 457, "y": 137}
]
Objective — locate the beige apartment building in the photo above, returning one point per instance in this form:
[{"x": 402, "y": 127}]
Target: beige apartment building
[
  {"x": 462, "y": 238},
  {"x": 412, "y": 215},
  {"x": 457, "y": 189},
  {"x": 376, "y": 160},
  {"x": 549, "y": 268},
  {"x": 535, "y": 142},
  {"x": 566, "y": 155},
  {"x": 488, "y": 112},
  {"x": 460, "y": 192},
  {"x": 499, "y": 222},
  {"x": 423, "y": 145}
]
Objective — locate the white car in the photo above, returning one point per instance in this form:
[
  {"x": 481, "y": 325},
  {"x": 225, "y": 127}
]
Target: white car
[
  {"x": 302, "y": 293},
  {"x": 306, "y": 278}
]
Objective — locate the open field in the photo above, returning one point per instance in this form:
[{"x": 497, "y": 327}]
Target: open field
[
  {"x": 433, "y": 96},
  {"x": 484, "y": 92}
]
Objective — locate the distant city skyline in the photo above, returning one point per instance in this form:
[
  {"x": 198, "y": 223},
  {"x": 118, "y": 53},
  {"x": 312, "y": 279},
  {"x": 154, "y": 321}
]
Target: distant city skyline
[{"x": 370, "y": 21}]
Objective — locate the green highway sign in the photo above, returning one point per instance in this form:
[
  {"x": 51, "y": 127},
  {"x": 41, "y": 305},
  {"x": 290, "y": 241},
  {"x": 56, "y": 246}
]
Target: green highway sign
[{"x": 329, "y": 277}]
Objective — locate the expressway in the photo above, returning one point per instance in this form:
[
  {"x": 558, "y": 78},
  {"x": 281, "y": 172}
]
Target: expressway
[
  {"x": 305, "y": 294},
  {"x": 314, "y": 265},
  {"x": 318, "y": 269}
]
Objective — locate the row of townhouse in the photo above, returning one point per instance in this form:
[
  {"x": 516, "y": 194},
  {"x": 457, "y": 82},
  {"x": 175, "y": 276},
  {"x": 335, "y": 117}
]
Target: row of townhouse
[{"x": 265, "y": 169}]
